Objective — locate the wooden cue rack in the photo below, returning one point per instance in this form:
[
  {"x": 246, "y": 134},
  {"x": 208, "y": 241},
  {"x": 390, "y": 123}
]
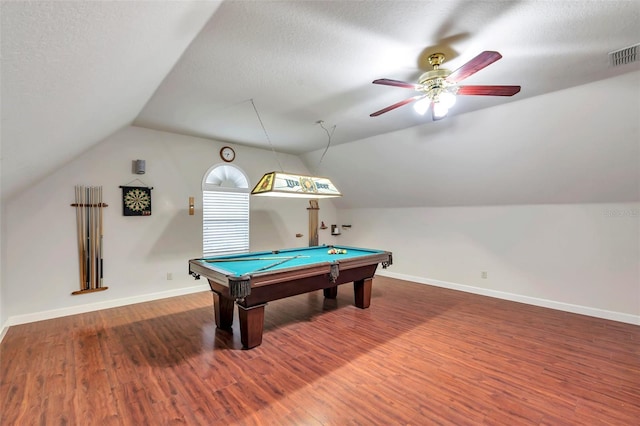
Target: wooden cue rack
[{"x": 89, "y": 207}]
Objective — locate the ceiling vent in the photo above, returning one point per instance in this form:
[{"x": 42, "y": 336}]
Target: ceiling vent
[{"x": 625, "y": 56}]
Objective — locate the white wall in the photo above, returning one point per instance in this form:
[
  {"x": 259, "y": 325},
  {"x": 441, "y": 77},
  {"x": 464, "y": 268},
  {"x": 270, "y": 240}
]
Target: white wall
[
  {"x": 576, "y": 146},
  {"x": 540, "y": 193},
  {"x": 581, "y": 258},
  {"x": 41, "y": 265}
]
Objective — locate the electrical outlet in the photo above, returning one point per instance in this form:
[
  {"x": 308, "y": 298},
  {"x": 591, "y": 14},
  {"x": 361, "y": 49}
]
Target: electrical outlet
[
  {"x": 169, "y": 276},
  {"x": 483, "y": 274}
]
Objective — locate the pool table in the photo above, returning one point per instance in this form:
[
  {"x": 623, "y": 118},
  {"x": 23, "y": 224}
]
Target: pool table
[{"x": 251, "y": 280}]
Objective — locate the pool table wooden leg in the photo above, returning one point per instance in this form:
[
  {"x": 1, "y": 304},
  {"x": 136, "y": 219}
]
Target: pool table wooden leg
[
  {"x": 362, "y": 292},
  {"x": 223, "y": 310},
  {"x": 331, "y": 292},
  {"x": 251, "y": 325}
]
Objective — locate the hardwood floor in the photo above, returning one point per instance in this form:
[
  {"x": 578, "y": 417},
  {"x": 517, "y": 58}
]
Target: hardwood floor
[{"x": 420, "y": 355}]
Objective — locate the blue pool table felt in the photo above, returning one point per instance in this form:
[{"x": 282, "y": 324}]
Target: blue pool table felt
[{"x": 278, "y": 259}]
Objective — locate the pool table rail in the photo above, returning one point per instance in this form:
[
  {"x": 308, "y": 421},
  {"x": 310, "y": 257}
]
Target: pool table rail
[{"x": 237, "y": 284}]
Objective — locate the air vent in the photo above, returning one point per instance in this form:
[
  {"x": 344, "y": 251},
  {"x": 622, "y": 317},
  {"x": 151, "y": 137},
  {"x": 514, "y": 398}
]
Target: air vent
[{"x": 625, "y": 56}]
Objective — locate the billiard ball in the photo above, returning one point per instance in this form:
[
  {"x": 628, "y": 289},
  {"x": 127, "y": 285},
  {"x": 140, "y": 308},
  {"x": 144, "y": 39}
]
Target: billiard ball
[{"x": 336, "y": 251}]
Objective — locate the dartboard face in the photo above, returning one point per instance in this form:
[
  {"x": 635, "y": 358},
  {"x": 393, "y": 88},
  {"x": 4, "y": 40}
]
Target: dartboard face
[{"x": 137, "y": 201}]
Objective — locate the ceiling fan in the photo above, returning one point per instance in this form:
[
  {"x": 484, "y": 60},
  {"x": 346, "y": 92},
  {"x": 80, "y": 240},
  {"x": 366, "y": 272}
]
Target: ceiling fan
[{"x": 439, "y": 86}]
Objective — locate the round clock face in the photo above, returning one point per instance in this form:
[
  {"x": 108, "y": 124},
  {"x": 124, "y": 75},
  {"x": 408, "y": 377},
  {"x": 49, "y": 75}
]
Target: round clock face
[
  {"x": 227, "y": 154},
  {"x": 137, "y": 200}
]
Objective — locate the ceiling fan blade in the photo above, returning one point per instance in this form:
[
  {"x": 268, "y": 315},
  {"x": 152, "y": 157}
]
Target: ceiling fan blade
[
  {"x": 481, "y": 61},
  {"x": 488, "y": 90},
  {"x": 396, "y": 105},
  {"x": 396, "y": 83}
]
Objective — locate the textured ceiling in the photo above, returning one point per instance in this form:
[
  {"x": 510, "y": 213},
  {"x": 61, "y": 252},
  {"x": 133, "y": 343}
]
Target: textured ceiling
[
  {"x": 74, "y": 72},
  {"x": 304, "y": 61}
]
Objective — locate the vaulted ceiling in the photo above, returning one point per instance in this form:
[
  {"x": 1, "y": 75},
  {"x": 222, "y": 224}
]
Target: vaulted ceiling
[{"x": 74, "y": 72}]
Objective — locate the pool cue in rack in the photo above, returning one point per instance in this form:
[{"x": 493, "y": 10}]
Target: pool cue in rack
[{"x": 89, "y": 227}]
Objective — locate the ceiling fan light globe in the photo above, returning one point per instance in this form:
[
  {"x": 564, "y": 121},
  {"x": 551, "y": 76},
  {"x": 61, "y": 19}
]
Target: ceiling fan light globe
[
  {"x": 439, "y": 110},
  {"x": 447, "y": 99},
  {"x": 421, "y": 106}
]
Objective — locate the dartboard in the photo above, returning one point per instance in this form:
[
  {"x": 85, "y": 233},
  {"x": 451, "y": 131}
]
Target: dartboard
[{"x": 136, "y": 201}]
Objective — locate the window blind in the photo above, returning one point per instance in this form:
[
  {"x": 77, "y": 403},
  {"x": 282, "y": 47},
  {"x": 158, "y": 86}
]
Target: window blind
[{"x": 225, "y": 222}]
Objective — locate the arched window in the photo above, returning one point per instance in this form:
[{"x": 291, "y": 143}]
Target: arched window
[{"x": 225, "y": 211}]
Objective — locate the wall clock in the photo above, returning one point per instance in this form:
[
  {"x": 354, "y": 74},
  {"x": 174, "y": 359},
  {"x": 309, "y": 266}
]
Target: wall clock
[
  {"x": 227, "y": 154},
  {"x": 136, "y": 201}
]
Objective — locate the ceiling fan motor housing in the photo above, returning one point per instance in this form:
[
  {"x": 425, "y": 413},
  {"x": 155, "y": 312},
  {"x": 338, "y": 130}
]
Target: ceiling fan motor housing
[{"x": 434, "y": 83}]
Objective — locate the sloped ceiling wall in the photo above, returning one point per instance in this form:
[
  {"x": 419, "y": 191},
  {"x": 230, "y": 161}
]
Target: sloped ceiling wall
[{"x": 565, "y": 147}]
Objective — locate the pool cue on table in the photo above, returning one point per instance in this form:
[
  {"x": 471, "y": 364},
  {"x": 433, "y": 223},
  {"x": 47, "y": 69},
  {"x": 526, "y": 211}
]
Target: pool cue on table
[
  {"x": 251, "y": 258},
  {"x": 276, "y": 264}
]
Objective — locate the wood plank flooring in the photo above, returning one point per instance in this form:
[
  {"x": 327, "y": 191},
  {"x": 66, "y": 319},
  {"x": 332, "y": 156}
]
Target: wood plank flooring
[{"x": 420, "y": 355}]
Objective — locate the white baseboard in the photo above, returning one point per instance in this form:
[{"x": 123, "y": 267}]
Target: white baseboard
[
  {"x": 561, "y": 306},
  {"x": 3, "y": 331},
  {"x": 90, "y": 307}
]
